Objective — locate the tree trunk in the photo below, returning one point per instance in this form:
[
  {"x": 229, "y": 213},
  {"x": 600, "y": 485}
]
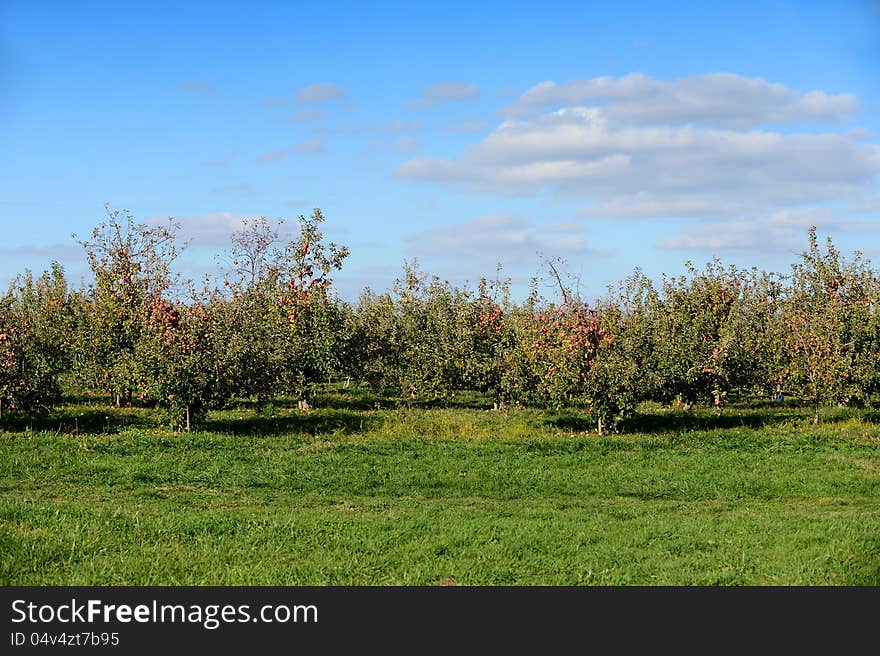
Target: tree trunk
[
  {"x": 816, "y": 414},
  {"x": 601, "y": 428},
  {"x": 187, "y": 419}
]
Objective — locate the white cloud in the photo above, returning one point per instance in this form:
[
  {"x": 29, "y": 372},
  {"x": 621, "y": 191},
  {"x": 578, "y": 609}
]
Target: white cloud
[
  {"x": 203, "y": 230},
  {"x": 483, "y": 242},
  {"x": 646, "y": 205},
  {"x": 320, "y": 92},
  {"x": 644, "y": 170},
  {"x": 716, "y": 99},
  {"x": 442, "y": 92},
  {"x": 214, "y": 230},
  {"x": 780, "y": 230},
  {"x": 865, "y": 205},
  {"x": 862, "y": 134}
]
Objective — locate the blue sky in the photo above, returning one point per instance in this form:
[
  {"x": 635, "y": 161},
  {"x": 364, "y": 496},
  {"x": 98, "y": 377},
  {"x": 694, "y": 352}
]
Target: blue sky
[{"x": 612, "y": 135}]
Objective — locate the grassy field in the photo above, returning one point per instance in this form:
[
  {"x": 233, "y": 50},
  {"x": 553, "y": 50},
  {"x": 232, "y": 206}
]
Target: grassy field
[{"x": 352, "y": 493}]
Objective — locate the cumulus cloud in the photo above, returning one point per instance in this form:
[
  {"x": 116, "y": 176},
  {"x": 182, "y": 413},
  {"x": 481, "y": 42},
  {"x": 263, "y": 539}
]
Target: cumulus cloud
[
  {"x": 715, "y": 99},
  {"x": 320, "y": 92},
  {"x": 656, "y": 170},
  {"x": 483, "y": 242},
  {"x": 442, "y": 92},
  {"x": 782, "y": 229}
]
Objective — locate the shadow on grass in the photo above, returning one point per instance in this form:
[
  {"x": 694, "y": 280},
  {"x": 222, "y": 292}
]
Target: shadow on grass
[
  {"x": 311, "y": 423},
  {"x": 82, "y": 420},
  {"x": 345, "y": 400},
  {"x": 461, "y": 401},
  {"x": 572, "y": 423},
  {"x": 705, "y": 419},
  {"x": 337, "y": 399},
  {"x": 366, "y": 400},
  {"x": 701, "y": 421},
  {"x": 351, "y": 410}
]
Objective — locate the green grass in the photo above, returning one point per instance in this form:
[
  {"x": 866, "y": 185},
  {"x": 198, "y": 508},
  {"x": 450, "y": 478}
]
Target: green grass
[{"x": 354, "y": 495}]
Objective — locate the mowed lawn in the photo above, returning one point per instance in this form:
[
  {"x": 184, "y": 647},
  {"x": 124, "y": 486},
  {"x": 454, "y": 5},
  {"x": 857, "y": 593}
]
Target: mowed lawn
[{"x": 354, "y": 495}]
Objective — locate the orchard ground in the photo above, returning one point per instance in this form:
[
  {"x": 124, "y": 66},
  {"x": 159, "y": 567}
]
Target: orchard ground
[{"x": 360, "y": 492}]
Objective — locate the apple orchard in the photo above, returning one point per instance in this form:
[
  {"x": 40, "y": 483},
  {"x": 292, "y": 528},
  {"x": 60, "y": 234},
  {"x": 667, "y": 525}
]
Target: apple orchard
[{"x": 273, "y": 328}]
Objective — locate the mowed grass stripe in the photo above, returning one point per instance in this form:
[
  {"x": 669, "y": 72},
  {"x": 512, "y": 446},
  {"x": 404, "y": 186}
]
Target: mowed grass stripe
[
  {"x": 580, "y": 466},
  {"x": 408, "y": 541},
  {"x": 419, "y": 496}
]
